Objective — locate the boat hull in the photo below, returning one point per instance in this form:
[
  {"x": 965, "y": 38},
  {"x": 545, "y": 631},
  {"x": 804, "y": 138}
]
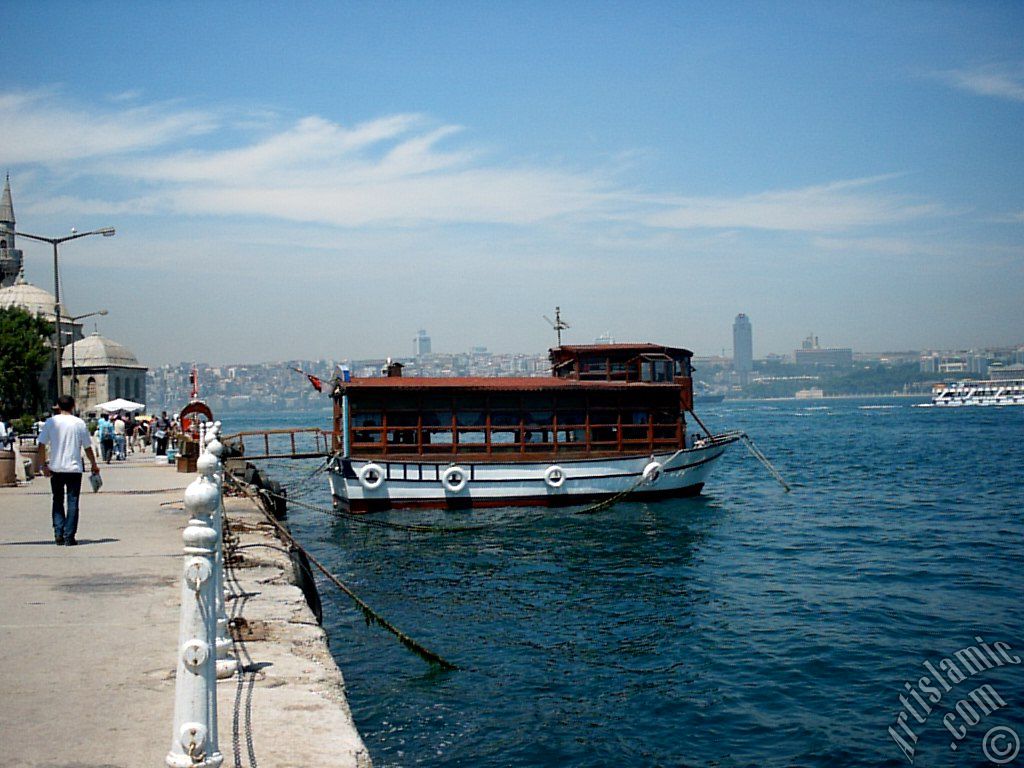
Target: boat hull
[{"x": 406, "y": 485}]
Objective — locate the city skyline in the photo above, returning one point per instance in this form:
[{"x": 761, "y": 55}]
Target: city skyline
[{"x": 335, "y": 178}]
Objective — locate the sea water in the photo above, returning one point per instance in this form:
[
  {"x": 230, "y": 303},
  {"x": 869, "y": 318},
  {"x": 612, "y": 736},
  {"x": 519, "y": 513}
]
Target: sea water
[{"x": 746, "y": 627}]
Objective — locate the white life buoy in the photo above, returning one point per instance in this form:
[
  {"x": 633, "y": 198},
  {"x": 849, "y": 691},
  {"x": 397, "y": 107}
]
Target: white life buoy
[
  {"x": 454, "y": 479},
  {"x": 652, "y": 473},
  {"x": 554, "y": 476},
  {"x": 371, "y": 476}
]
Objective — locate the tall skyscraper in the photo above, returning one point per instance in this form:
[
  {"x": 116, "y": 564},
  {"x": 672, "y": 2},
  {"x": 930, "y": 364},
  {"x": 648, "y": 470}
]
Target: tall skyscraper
[
  {"x": 421, "y": 344},
  {"x": 742, "y": 348}
]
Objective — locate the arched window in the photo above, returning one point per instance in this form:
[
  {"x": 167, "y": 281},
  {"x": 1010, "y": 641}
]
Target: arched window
[
  {"x": 117, "y": 387},
  {"x": 138, "y": 390},
  {"x": 90, "y": 389}
]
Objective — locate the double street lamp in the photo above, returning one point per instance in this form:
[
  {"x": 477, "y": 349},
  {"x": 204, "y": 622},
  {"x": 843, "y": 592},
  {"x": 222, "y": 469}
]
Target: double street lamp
[
  {"x": 74, "y": 372},
  {"x": 55, "y": 241}
]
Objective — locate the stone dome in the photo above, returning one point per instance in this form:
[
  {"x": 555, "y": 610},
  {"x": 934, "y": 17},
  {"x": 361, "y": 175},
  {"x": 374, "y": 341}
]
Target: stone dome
[
  {"x": 32, "y": 299},
  {"x": 95, "y": 351}
]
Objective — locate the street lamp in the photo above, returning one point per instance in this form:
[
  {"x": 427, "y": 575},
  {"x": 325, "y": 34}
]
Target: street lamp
[
  {"x": 55, "y": 241},
  {"x": 74, "y": 374}
]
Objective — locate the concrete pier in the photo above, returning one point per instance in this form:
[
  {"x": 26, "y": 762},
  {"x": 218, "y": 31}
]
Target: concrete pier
[{"x": 88, "y": 635}]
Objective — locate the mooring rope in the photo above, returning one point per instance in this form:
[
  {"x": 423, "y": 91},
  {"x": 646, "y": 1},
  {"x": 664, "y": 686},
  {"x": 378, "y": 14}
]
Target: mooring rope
[
  {"x": 756, "y": 453},
  {"x": 369, "y": 614}
]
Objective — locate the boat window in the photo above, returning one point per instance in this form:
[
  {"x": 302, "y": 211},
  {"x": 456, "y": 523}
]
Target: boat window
[
  {"x": 470, "y": 418},
  {"x": 538, "y": 417},
  {"x": 437, "y": 418},
  {"x": 435, "y": 401},
  {"x": 472, "y": 436},
  {"x": 570, "y": 418},
  {"x": 504, "y": 402},
  {"x": 505, "y": 418},
  {"x": 634, "y": 417},
  {"x": 367, "y": 419}
]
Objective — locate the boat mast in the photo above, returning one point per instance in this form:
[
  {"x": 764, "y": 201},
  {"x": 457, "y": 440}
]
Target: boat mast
[{"x": 558, "y": 324}]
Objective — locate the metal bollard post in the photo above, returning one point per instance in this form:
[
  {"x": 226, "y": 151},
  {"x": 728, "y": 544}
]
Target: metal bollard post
[
  {"x": 194, "y": 739},
  {"x": 227, "y": 665}
]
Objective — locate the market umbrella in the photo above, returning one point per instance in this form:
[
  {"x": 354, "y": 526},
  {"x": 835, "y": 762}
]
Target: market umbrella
[{"x": 120, "y": 404}]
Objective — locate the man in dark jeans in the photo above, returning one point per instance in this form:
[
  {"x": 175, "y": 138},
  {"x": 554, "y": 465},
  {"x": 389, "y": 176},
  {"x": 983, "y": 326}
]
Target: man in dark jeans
[
  {"x": 161, "y": 434},
  {"x": 63, "y": 438}
]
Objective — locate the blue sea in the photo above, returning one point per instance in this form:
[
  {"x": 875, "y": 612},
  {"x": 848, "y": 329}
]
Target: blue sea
[{"x": 746, "y": 627}]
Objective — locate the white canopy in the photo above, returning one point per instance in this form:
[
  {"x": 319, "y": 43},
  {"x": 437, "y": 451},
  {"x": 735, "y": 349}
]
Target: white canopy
[{"x": 120, "y": 404}]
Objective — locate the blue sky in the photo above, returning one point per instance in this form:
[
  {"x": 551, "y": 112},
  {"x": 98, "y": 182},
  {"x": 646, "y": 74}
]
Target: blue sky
[{"x": 323, "y": 179}]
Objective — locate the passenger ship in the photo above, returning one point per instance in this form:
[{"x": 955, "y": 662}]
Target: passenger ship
[
  {"x": 999, "y": 392},
  {"x": 609, "y": 420}
]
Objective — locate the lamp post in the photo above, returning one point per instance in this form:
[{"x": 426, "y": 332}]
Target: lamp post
[
  {"x": 74, "y": 373},
  {"x": 55, "y": 241}
]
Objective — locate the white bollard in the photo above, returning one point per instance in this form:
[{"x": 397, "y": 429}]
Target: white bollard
[
  {"x": 210, "y": 465},
  {"x": 194, "y": 738}
]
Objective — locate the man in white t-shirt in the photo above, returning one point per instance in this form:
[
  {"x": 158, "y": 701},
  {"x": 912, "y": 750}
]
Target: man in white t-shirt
[{"x": 64, "y": 436}]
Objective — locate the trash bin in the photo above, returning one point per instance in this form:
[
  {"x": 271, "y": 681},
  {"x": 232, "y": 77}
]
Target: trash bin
[
  {"x": 30, "y": 450},
  {"x": 7, "y": 475}
]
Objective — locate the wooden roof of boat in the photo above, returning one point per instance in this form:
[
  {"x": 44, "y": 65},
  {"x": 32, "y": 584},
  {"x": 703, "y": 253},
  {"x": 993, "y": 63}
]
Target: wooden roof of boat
[
  {"x": 620, "y": 349},
  {"x": 495, "y": 383}
]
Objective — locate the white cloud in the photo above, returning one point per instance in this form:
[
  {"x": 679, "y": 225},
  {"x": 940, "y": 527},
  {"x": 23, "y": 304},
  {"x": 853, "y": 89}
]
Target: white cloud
[
  {"x": 836, "y": 206},
  {"x": 39, "y": 127},
  {"x": 401, "y": 169},
  {"x": 1005, "y": 81}
]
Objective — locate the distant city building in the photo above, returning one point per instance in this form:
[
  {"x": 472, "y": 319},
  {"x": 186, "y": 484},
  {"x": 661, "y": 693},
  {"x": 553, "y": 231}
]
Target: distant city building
[
  {"x": 421, "y": 344},
  {"x": 604, "y": 338},
  {"x": 742, "y": 348},
  {"x": 1006, "y": 372},
  {"x": 813, "y": 355},
  {"x": 955, "y": 363},
  {"x": 10, "y": 256}
]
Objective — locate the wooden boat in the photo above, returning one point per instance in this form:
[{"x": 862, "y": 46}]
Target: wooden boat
[{"x": 611, "y": 419}]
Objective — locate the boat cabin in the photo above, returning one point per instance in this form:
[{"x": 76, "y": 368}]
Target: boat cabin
[
  {"x": 601, "y": 401},
  {"x": 648, "y": 363}
]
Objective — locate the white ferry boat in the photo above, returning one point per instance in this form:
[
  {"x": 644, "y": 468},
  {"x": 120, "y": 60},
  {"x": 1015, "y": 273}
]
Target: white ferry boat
[
  {"x": 609, "y": 420},
  {"x": 960, "y": 393}
]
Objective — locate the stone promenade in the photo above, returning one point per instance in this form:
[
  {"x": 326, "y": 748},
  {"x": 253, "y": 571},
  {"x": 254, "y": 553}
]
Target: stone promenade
[{"x": 88, "y": 636}]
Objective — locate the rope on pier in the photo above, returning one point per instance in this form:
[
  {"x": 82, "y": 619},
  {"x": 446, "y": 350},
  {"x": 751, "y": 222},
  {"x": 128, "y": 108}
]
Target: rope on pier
[{"x": 369, "y": 614}]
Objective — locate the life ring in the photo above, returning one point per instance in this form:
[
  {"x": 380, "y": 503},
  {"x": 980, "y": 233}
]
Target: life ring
[
  {"x": 371, "y": 476},
  {"x": 554, "y": 476},
  {"x": 652, "y": 473},
  {"x": 454, "y": 479}
]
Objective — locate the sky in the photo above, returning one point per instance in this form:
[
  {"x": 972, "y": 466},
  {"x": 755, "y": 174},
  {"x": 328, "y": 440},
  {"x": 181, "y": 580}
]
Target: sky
[{"x": 321, "y": 180}]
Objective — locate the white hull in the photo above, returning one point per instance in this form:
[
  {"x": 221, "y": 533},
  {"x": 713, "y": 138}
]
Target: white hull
[
  {"x": 495, "y": 483},
  {"x": 984, "y": 393}
]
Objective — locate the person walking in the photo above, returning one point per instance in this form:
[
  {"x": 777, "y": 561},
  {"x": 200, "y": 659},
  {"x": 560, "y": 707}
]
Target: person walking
[
  {"x": 161, "y": 434},
  {"x": 133, "y": 434},
  {"x": 62, "y": 439},
  {"x": 120, "y": 437},
  {"x": 105, "y": 432}
]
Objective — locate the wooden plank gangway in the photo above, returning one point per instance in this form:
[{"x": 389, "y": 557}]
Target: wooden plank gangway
[{"x": 287, "y": 443}]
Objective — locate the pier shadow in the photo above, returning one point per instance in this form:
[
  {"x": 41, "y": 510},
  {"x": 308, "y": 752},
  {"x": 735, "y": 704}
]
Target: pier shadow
[{"x": 50, "y": 542}]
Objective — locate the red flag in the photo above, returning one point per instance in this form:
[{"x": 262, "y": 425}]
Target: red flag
[{"x": 317, "y": 384}]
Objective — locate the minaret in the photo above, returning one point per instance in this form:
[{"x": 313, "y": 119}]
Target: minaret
[{"x": 10, "y": 257}]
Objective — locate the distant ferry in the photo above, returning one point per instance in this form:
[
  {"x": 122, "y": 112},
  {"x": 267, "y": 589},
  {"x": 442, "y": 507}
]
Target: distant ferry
[
  {"x": 955, "y": 394},
  {"x": 610, "y": 420}
]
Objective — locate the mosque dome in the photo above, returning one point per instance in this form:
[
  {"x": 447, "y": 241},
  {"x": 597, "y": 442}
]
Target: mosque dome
[
  {"x": 33, "y": 300},
  {"x": 96, "y": 351}
]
